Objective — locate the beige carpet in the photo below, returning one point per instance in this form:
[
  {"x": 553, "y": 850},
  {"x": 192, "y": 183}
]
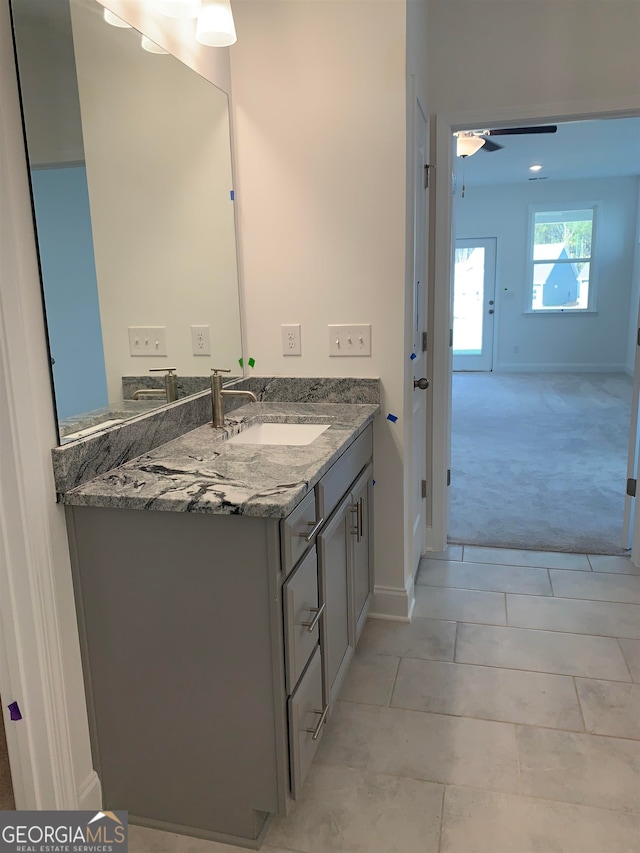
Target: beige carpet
[
  {"x": 7, "y": 802},
  {"x": 538, "y": 461}
]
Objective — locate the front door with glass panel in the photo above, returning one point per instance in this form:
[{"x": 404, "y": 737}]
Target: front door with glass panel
[{"x": 474, "y": 285}]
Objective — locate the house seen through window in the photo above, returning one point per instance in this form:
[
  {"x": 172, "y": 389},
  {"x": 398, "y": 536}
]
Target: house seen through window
[{"x": 562, "y": 260}]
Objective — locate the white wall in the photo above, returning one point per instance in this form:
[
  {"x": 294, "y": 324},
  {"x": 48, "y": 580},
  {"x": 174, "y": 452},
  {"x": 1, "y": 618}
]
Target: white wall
[
  {"x": 495, "y": 55},
  {"x": 158, "y": 157},
  {"x": 319, "y": 115},
  {"x": 48, "y": 82},
  {"x": 593, "y": 341}
]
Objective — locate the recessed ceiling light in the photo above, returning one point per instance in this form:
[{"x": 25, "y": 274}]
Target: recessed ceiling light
[{"x": 535, "y": 168}]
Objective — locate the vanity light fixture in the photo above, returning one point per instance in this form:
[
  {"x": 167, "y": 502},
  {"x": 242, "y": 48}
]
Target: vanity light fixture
[
  {"x": 215, "y": 27},
  {"x": 535, "y": 168},
  {"x": 151, "y": 46},
  {"x": 115, "y": 21},
  {"x": 180, "y": 8}
]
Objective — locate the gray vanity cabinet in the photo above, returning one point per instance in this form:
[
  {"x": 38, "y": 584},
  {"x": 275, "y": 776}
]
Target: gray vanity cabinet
[{"x": 214, "y": 645}]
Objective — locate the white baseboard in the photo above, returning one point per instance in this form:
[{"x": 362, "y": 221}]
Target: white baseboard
[
  {"x": 506, "y": 367},
  {"x": 393, "y": 603},
  {"x": 90, "y": 793}
]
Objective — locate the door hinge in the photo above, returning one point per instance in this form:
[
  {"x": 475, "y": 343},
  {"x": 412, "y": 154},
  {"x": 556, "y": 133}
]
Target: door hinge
[
  {"x": 448, "y": 476},
  {"x": 450, "y": 337},
  {"x": 631, "y": 487},
  {"x": 424, "y": 488},
  {"x": 424, "y": 342}
]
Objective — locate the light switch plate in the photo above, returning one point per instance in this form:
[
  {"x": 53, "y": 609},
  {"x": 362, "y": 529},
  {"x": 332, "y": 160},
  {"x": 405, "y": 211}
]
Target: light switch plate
[
  {"x": 350, "y": 339},
  {"x": 147, "y": 340}
]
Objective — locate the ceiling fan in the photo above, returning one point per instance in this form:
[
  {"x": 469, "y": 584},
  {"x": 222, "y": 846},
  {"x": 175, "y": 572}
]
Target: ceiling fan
[{"x": 470, "y": 141}]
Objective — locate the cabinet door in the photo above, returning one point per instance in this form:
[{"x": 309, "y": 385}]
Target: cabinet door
[
  {"x": 337, "y": 635},
  {"x": 360, "y": 533}
]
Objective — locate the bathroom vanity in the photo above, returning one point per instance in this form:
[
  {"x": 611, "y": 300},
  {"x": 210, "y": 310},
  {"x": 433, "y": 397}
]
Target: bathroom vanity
[{"x": 221, "y": 588}]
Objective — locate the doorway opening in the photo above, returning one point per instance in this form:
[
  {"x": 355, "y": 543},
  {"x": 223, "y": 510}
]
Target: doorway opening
[{"x": 541, "y": 388}]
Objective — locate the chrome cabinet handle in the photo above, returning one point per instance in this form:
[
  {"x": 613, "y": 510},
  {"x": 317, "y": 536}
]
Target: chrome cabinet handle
[
  {"x": 318, "y": 613},
  {"x": 309, "y": 536},
  {"x": 323, "y": 716},
  {"x": 359, "y": 511}
]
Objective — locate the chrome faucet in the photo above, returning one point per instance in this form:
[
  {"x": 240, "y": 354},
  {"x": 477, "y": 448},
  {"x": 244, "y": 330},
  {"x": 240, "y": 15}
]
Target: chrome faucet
[
  {"x": 218, "y": 392},
  {"x": 170, "y": 387}
]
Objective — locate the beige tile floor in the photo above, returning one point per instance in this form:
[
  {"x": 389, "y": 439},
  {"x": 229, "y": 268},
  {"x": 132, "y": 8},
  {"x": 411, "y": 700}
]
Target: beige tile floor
[{"x": 504, "y": 719}]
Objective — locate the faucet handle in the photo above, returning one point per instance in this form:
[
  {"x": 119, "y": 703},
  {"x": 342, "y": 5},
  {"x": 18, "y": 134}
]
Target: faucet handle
[
  {"x": 169, "y": 370},
  {"x": 217, "y": 370}
]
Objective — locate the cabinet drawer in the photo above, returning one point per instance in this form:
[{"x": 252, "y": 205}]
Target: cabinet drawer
[
  {"x": 306, "y": 721},
  {"x": 301, "y": 612},
  {"x": 341, "y": 475},
  {"x": 295, "y": 530}
]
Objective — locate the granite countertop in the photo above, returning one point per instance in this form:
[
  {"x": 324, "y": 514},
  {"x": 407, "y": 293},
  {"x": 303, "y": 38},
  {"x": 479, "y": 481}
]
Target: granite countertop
[{"x": 201, "y": 472}]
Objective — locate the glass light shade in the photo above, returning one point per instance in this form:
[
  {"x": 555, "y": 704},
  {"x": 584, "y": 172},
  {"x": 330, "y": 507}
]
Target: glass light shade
[
  {"x": 468, "y": 145},
  {"x": 180, "y": 8},
  {"x": 151, "y": 46},
  {"x": 115, "y": 21},
  {"x": 215, "y": 27}
]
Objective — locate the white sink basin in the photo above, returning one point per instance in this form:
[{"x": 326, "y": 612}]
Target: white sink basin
[{"x": 279, "y": 434}]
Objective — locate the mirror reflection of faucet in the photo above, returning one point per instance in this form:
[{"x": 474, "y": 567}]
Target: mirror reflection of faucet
[
  {"x": 170, "y": 392},
  {"x": 217, "y": 394}
]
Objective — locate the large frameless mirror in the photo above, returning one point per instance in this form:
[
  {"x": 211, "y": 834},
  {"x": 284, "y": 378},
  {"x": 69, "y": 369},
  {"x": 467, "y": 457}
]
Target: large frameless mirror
[{"x": 130, "y": 163}]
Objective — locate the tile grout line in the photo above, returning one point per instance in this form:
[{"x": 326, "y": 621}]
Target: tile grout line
[
  {"x": 584, "y": 722},
  {"x": 455, "y": 643},
  {"x": 444, "y": 791},
  {"x": 493, "y": 721},
  {"x": 518, "y": 668},
  {"x": 393, "y": 688},
  {"x": 533, "y": 628},
  {"x": 626, "y": 662}
]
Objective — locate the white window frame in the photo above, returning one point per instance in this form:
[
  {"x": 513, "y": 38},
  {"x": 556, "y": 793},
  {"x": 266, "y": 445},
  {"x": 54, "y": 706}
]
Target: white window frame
[{"x": 550, "y": 208}]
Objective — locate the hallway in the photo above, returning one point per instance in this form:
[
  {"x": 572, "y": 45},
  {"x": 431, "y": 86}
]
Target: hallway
[{"x": 504, "y": 719}]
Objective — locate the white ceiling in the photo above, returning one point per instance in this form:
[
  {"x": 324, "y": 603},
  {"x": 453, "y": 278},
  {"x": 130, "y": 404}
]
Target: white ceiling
[{"x": 580, "y": 149}]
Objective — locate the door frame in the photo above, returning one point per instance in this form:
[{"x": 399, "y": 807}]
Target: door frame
[
  {"x": 49, "y": 750},
  {"x": 440, "y": 291},
  {"x": 488, "y": 349}
]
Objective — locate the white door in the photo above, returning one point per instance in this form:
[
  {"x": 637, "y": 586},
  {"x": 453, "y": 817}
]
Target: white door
[
  {"x": 419, "y": 320},
  {"x": 474, "y": 286},
  {"x": 631, "y": 524}
]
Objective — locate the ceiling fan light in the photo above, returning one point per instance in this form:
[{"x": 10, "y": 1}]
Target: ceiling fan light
[
  {"x": 535, "y": 168},
  {"x": 468, "y": 144},
  {"x": 114, "y": 20},
  {"x": 215, "y": 27}
]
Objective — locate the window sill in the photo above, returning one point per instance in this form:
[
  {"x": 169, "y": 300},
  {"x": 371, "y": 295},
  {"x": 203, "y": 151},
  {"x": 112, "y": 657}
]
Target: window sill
[{"x": 575, "y": 312}]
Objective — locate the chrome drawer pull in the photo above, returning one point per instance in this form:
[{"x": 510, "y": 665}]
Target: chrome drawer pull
[
  {"x": 309, "y": 536},
  {"x": 311, "y": 625},
  {"x": 359, "y": 511},
  {"x": 316, "y": 732}
]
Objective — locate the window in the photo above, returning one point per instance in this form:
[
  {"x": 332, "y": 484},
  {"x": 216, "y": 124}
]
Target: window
[{"x": 561, "y": 260}]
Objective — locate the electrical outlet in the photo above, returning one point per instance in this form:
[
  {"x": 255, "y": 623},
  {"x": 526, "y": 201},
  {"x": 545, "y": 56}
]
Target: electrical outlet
[
  {"x": 147, "y": 340},
  {"x": 291, "y": 344},
  {"x": 350, "y": 339},
  {"x": 200, "y": 340}
]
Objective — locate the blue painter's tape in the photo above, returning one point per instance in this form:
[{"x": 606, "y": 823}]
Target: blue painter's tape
[
  {"x": 373, "y": 482},
  {"x": 412, "y": 356},
  {"x": 233, "y": 195},
  {"x": 14, "y": 711},
  {"x": 392, "y": 418}
]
